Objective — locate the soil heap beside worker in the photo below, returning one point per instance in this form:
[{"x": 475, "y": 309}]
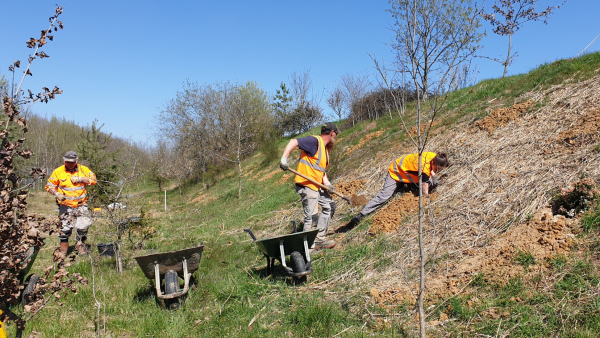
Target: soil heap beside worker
[
  {"x": 403, "y": 175},
  {"x": 68, "y": 183},
  {"x": 313, "y": 162}
]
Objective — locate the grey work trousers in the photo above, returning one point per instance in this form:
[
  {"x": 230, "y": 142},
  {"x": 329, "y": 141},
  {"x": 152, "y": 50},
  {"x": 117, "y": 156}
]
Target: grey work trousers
[
  {"x": 389, "y": 187},
  {"x": 310, "y": 200}
]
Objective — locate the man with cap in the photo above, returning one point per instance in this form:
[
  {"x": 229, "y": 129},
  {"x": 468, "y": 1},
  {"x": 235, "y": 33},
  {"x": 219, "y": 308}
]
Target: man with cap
[
  {"x": 68, "y": 184},
  {"x": 313, "y": 162}
]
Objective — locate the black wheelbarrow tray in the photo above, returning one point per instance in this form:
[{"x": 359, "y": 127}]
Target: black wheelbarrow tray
[
  {"x": 169, "y": 265},
  {"x": 296, "y": 245}
]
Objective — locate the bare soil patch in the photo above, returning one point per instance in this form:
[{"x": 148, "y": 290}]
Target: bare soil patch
[
  {"x": 269, "y": 175},
  {"x": 543, "y": 237},
  {"x": 349, "y": 187},
  {"x": 502, "y": 116},
  {"x": 285, "y": 178},
  {"x": 585, "y": 130},
  {"x": 389, "y": 217}
]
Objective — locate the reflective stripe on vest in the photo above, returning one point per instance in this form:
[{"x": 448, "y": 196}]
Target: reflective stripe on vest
[
  {"x": 76, "y": 198},
  {"x": 73, "y": 188},
  {"x": 401, "y": 173},
  {"x": 315, "y": 166}
]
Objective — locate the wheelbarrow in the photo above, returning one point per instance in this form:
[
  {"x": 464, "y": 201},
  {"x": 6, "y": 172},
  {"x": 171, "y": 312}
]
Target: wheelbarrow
[
  {"x": 296, "y": 245},
  {"x": 170, "y": 266}
]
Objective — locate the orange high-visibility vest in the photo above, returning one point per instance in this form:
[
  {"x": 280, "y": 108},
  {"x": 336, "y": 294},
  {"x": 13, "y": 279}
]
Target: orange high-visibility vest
[
  {"x": 313, "y": 166},
  {"x": 76, "y": 193},
  {"x": 399, "y": 169}
]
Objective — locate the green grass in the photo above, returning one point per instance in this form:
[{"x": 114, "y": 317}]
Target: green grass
[
  {"x": 524, "y": 258},
  {"x": 233, "y": 289}
]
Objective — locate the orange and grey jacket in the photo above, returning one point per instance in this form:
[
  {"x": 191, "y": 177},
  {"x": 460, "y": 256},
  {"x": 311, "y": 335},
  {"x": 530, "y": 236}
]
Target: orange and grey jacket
[
  {"x": 313, "y": 166},
  {"x": 76, "y": 193},
  {"x": 406, "y": 168}
]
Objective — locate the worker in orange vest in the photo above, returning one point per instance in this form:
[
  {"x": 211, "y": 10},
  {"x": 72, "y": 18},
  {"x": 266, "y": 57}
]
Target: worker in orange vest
[
  {"x": 68, "y": 184},
  {"x": 313, "y": 162},
  {"x": 404, "y": 172}
]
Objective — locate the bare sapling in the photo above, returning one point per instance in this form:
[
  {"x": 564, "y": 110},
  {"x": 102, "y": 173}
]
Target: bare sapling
[
  {"x": 512, "y": 15},
  {"x": 433, "y": 38},
  {"x": 125, "y": 213},
  {"x": 22, "y": 234}
]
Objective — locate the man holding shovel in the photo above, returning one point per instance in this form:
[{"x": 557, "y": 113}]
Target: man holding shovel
[
  {"x": 312, "y": 164},
  {"x": 404, "y": 172}
]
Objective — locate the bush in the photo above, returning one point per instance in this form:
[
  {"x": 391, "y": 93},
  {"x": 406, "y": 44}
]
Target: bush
[
  {"x": 575, "y": 198},
  {"x": 379, "y": 102},
  {"x": 268, "y": 145}
]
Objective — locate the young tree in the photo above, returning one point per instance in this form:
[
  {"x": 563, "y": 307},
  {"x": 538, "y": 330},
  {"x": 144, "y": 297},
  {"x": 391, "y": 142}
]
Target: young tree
[
  {"x": 306, "y": 112},
  {"x": 514, "y": 13},
  {"x": 94, "y": 150},
  {"x": 354, "y": 88},
  {"x": 244, "y": 119},
  {"x": 432, "y": 36},
  {"x": 432, "y": 39},
  {"x": 21, "y": 234},
  {"x": 336, "y": 101},
  {"x": 282, "y": 105}
]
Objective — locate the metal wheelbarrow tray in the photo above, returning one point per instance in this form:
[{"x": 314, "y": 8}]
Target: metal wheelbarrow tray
[
  {"x": 182, "y": 262},
  {"x": 296, "y": 245}
]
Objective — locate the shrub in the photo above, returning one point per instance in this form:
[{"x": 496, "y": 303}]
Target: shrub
[{"x": 575, "y": 198}]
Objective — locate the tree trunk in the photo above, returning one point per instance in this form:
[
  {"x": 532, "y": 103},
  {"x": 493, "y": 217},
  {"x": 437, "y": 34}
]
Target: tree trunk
[
  {"x": 239, "y": 162},
  {"x": 119, "y": 258},
  {"x": 507, "y": 56}
]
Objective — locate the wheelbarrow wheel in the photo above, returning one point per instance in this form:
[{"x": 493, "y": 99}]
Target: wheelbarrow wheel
[
  {"x": 31, "y": 281},
  {"x": 171, "y": 286},
  {"x": 297, "y": 262}
]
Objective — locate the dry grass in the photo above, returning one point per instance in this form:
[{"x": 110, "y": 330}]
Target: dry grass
[{"x": 498, "y": 179}]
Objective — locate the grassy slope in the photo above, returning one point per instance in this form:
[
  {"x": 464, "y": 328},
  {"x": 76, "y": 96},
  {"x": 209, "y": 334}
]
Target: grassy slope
[{"x": 233, "y": 290}]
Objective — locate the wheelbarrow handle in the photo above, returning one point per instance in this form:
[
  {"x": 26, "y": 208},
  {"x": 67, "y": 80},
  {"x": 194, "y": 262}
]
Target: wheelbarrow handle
[
  {"x": 250, "y": 233},
  {"x": 322, "y": 186}
]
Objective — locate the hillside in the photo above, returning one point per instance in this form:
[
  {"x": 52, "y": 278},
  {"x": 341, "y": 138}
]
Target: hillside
[{"x": 501, "y": 263}]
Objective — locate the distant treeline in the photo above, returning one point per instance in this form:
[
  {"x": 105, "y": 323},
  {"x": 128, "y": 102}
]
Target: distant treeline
[{"x": 50, "y": 139}]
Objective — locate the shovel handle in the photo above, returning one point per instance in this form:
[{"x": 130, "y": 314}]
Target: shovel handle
[{"x": 322, "y": 186}]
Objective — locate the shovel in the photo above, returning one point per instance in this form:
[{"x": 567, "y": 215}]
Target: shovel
[{"x": 324, "y": 187}]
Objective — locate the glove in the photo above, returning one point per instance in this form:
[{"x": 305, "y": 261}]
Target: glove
[
  {"x": 330, "y": 187},
  {"x": 284, "y": 164},
  {"x": 60, "y": 197},
  {"x": 77, "y": 179}
]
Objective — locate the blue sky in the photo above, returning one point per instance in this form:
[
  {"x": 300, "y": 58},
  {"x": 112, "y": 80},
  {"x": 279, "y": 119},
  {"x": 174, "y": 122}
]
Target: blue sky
[{"x": 121, "y": 61}]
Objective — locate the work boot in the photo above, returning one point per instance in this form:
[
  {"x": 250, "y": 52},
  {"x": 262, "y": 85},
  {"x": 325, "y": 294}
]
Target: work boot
[
  {"x": 81, "y": 248},
  {"x": 64, "y": 248},
  {"x": 356, "y": 219},
  {"x": 321, "y": 244}
]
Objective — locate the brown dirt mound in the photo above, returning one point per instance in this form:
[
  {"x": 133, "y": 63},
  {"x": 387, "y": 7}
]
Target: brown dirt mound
[
  {"x": 350, "y": 187},
  {"x": 248, "y": 172},
  {"x": 285, "y": 178},
  {"x": 389, "y": 217},
  {"x": 202, "y": 199},
  {"x": 260, "y": 173},
  {"x": 364, "y": 140},
  {"x": 584, "y": 131},
  {"x": 269, "y": 175},
  {"x": 544, "y": 236},
  {"x": 502, "y": 116},
  {"x": 358, "y": 200}
]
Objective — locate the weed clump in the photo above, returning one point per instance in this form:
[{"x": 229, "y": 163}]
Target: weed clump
[{"x": 575, "y": 198}]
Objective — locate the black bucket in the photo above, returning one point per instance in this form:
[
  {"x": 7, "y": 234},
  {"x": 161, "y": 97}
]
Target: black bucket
[{"x": 106, "y": 249}]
